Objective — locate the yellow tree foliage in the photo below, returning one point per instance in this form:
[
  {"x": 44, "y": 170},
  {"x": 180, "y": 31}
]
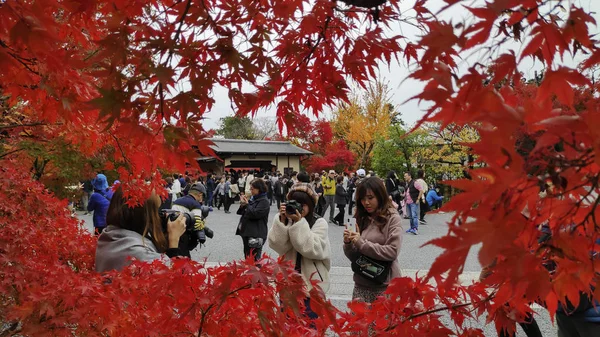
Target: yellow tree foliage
[
  {"x": 447, "y": 150},
  {"x": 364, "y": 119}
]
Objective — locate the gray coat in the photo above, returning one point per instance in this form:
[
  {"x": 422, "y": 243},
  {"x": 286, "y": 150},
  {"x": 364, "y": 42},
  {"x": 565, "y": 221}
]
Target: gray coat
[{"x": 116, "y": 246}]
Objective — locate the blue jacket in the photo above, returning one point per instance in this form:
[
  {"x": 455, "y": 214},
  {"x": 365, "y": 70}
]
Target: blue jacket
[
  {"x": 210, "y": 185},
  {"x": 432, "y": 197},
  {"x": 99, "y": 202},
  {"x": 188, "y": 202}
]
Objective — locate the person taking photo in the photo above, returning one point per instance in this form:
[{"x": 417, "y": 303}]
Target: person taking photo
[
  {"x": 300, "y": 236},
  {"x": 136, "y": 232},
  {"x": 254, "y": 218}
]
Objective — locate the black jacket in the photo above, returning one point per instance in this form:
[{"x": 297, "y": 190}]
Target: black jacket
[
  {"x": 413, "y": 191},
  {"x": 255, "y": 217},
  {"x": 341, "y": 195},
  {"x": 278, "y": 189},
  {"x": 390, "y": 185}
]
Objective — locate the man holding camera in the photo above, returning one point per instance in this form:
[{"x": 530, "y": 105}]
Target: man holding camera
[{"x": 192, "y": 203}]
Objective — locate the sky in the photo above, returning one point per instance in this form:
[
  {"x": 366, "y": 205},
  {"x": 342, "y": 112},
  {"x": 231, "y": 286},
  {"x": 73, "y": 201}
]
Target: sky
[{"x": 396, "y": 74}]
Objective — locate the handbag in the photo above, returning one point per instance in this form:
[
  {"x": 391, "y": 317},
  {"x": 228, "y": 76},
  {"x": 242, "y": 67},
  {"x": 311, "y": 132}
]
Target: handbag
[
  {"x": 376, "y": 271},
  {"x": 255, "y": 242}
]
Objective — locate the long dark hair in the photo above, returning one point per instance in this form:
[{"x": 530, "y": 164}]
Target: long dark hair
[
  {"x": 305, "y": 199},
  {"x": 143, "y": 220},
  {"x": 384, "y": 204}
]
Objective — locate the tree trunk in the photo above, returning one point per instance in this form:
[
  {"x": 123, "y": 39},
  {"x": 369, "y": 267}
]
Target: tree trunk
[{"x": 38, "y": 168}]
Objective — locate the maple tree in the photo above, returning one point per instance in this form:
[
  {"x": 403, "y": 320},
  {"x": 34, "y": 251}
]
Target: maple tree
[
  {"x": 139, "y": 76},
  {"x": 317, "y": 137}
]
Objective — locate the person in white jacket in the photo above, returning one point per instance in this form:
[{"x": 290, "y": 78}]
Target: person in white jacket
[{"x": 302, "y": 238}]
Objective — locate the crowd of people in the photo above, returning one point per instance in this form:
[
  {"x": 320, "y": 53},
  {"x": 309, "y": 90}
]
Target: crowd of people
[{"x": 306, "y": 206}]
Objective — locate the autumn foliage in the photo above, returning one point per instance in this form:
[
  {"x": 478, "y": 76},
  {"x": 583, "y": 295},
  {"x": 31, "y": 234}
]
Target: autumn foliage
[
  {"x": 317, "y": 137},
  {"x": 138, "y": 76}
]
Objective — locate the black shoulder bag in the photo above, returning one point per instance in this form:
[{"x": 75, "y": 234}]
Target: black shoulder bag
[{"x": 374, "y": 270}]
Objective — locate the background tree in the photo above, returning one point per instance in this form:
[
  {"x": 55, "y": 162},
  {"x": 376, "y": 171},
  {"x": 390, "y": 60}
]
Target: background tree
[
  {"x": 334, "y": 156},
  {"x": 363, "y": 119},
  {"x": 264, "y": 127},
  {"x": 234, "y": 127},
  {"x": 401, "y": 150},
  {"x": 59, "y": 166},
  {"x": 317, "y": 137},
  {"x": 447, "y": 151}
]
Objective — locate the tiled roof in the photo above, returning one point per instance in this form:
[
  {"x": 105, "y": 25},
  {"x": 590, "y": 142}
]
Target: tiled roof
[{"x": 243, "y": 146}]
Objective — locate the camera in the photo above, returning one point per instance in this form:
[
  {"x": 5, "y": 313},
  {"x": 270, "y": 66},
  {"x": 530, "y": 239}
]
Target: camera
[
  {"x": 195, "y": 235},
  {"x": 292, "y": 206}
]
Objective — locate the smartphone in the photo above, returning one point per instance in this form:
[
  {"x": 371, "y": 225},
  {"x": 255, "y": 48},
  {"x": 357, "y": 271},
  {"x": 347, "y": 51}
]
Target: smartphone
[{"x": 350, "y": 226}]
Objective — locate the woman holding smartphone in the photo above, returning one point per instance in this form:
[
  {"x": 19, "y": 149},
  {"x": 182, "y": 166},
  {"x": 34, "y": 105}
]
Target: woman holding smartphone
[
  {"x": 378, "y": 236},
  {"x": 299, "y": 236},
  {"x": 255, "y": 216}
]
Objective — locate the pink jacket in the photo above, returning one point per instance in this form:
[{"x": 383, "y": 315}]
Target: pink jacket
[{"x": 381, "y": 243}]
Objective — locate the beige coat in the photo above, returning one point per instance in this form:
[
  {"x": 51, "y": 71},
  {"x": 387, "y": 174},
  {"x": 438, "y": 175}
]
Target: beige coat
[{"x": 312, "y": 243}]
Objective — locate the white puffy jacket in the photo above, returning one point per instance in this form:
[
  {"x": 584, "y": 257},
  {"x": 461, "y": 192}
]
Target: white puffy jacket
[{"x": 312, "y": 243}]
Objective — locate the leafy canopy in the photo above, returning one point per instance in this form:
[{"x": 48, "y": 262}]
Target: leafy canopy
[{"x": 138, "y": 77}]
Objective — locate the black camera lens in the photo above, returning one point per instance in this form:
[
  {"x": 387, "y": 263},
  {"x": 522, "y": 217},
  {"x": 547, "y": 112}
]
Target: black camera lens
[
  {"x": 292, "y": 207},
  {"x": 209, "y": 233}
]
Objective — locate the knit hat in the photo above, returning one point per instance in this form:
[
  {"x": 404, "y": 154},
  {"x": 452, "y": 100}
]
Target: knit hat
[
  {"x": 306, "y": 188},
  {"x": 361, "y": 173}
]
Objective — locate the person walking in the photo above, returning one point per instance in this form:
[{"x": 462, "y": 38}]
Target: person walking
[
  {"x": 99, "y": 202},
  {"x": 355, "y": 181},
  {"x": 279, "y": 191},
  {"x": 228, "y": 194},
  {"x": 87, "y": 189},
  {"x": 254, "y": 217},
  {"x": 423, "y": 205},
  {"x": 378, "y": 237},
  {"x": 210, "y": 189},
  {"x": 269, "y": 189},
  {"x": 318, "y": 187},
  {"x": 249, "y": 179},
  {"x": 220, "y": 193},
  {"x": 302, "y": 238},
  {"x": 329, "y": 184},
  {"x": 340, "y": 200},
  {"x": 414, "y": 192},
  {"x": 391, "y": 185},
  {"x": 346, "y": 180},
  {"x": 176, "y": 187}
]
